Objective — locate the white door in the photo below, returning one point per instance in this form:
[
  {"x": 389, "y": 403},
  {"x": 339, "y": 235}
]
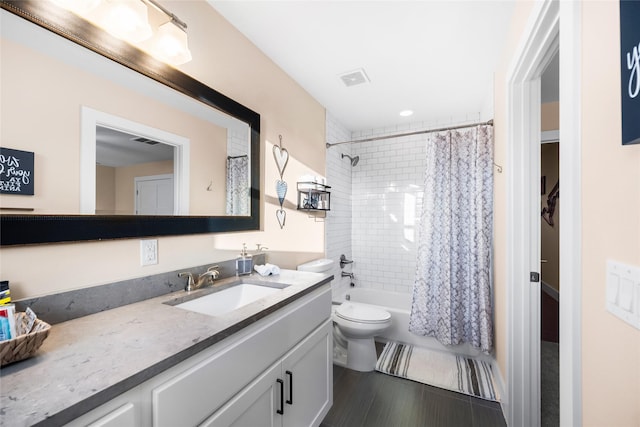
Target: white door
[
  {"x": 308, "y": 378},
  {"x": 154, "y": 195},
  {"x": 256, "y": 405}
]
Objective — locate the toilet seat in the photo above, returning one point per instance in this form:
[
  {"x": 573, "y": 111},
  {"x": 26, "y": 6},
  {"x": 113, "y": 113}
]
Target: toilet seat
[{"x": 362, "y": 313}]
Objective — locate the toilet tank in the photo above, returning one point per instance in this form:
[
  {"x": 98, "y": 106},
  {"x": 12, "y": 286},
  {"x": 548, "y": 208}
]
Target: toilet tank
[{"x": 321, "y": 265}]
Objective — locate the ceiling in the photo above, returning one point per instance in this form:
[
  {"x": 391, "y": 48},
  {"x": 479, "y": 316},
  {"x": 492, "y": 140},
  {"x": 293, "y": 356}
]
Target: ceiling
[
  {"x": 116, "y": 148},
  {"x": 436, "y": 58}
]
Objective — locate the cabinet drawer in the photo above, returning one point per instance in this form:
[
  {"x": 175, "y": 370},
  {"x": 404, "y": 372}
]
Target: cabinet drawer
[
  {"x": 125, "y": 416},
  {"x": 194, "y": 394}
]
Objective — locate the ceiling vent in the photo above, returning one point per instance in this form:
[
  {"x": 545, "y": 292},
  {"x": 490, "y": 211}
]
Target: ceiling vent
[
  {"x": 145, "y": 140},
  {"x": 356, "y": 77}
]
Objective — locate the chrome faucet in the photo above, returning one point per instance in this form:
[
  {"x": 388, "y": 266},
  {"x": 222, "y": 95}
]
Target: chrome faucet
[
  {"x": 208, "y": 277},
  {"x": 345, "y": 274}
]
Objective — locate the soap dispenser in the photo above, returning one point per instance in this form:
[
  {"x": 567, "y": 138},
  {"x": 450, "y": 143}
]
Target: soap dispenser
[{"x": 244, "y": 263}]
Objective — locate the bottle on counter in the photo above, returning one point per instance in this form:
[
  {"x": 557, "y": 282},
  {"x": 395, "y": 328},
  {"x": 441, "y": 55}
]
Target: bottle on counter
[{"x": 244, "y": 262}]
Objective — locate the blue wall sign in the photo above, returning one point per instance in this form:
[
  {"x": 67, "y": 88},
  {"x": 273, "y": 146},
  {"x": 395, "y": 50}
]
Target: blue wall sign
[
  {"x": 16, "y": 172},
  {"x": 630, "y": 67}
]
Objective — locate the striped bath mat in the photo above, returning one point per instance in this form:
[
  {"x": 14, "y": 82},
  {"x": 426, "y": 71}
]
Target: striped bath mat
[{"x": 439, "y": 369}]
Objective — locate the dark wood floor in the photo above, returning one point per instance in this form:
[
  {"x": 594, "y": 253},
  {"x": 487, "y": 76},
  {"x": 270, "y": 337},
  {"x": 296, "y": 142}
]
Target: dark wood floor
[{"x": 373, "y": 399}]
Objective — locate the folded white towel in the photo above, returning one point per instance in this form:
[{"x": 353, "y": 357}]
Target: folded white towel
[{"x": 267, "y": 269}]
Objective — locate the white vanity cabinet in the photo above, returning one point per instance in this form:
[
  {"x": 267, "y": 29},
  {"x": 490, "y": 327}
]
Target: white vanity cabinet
[
  {"x": 296, "y": 391},
  {"x": 238, "y": 381}
]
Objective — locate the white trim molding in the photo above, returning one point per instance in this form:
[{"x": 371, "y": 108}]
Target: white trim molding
[
  {"x": 535, "y": 52},
  {"x": 571, "y": 214},
  {"x": 549, "y": 136},
  {"x": 90, "y": 118}
]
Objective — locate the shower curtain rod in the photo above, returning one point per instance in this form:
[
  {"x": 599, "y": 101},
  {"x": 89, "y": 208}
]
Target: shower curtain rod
[{"x": 398, "y": 135}]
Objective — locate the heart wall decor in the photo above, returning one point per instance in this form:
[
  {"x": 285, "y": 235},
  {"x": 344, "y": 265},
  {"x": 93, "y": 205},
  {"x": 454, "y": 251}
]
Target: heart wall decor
[
  {"x": 281, "y": 191},
  {"x": 281, "y": 156},
  {"x": 282, "y": 216}
]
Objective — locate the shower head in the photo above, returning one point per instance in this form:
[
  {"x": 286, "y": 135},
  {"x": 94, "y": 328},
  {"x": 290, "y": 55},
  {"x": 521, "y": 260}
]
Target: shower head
[{"x": 354, "y": 160}]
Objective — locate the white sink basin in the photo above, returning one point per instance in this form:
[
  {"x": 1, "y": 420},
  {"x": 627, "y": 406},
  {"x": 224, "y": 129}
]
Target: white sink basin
[{"x": 229, "y": 299}]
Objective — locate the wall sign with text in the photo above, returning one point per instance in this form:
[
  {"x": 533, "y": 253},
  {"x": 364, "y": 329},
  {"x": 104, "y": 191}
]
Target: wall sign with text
[
  {"x": 16, "y": 172},
  {"x": 630, "y": 67}
]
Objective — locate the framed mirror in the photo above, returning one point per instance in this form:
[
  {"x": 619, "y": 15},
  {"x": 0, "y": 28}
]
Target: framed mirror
[{"x": 199, "y": 150}]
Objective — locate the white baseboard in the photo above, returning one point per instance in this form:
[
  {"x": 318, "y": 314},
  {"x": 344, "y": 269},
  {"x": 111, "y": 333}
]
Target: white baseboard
[{"x": 501, "y": 388}]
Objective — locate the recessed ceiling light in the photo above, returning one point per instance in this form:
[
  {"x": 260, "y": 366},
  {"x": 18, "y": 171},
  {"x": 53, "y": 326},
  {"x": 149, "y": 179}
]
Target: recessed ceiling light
[{"x": 406, "y": 113}]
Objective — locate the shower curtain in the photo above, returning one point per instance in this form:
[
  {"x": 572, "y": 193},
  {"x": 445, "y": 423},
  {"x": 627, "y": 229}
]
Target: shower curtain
[
  {"x": 452, "y": 288},
  {"x": 237, "y": 185}
]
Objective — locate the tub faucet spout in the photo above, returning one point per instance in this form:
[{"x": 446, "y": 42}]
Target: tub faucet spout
[{"x": 345, "y": 274}]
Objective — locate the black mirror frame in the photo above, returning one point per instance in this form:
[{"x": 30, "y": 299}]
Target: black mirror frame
[{"x": 35, "y": 229}]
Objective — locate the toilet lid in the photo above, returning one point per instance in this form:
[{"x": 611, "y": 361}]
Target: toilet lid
[{"x": 362, "y": 313}]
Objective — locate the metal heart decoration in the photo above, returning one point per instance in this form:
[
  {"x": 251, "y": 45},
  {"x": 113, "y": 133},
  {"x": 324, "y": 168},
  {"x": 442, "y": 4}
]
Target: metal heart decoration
[
  {"x": 282, "y": 216},
  {"x": 281, "y": 191},
  {"x": 281, "y": 155}
]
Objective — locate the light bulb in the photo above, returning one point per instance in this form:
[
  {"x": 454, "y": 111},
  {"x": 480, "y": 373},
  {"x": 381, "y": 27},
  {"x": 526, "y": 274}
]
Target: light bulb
[
  {"x": 171, "y": 44},
  {"x": 127, "y": 20}
]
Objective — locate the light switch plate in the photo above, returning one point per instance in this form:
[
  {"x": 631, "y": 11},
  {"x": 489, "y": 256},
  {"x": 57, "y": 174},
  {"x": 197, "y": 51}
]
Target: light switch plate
[
  {"x": 623, "y": 292},
  {"x": 148, "y": 252}
]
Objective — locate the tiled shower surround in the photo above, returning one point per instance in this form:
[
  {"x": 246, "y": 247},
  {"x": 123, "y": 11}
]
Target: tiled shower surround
[
  {"x": 338, "y": 222},
  {"x": 386, "y": 190}
]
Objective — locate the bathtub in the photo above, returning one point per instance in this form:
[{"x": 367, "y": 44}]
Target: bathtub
[{"x": 399, "y": 306}]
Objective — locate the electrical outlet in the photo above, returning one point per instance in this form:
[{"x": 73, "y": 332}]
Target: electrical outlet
[{"x": 148, "y": 252}]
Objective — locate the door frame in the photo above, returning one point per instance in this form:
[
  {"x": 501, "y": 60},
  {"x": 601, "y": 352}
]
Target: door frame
[
  {"x": 542, "y": 38},
  {"x": 90, "y": 119}
]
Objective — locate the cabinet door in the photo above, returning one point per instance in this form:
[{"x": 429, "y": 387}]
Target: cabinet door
[
  {"x": 256, "y": 405},
  {"x": 123, "y": 411},
  {"x": 125, "y": 416},
  {"x": 308, "y": 377}
]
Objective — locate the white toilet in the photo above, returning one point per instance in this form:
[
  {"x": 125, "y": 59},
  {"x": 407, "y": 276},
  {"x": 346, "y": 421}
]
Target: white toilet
[{"x": 359, "y": 323}]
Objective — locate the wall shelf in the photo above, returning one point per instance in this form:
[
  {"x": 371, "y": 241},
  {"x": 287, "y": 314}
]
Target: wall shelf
[{"x": 314, "y": 197}]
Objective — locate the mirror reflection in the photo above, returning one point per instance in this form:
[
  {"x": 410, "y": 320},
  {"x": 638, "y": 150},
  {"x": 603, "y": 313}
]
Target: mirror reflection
[
  {"x": 72, "y": 89},
  {"x": 134, "y": 174}
]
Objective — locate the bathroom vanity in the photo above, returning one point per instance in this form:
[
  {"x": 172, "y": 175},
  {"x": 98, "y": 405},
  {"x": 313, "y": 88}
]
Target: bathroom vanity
[{"x": 154, "y": 364}]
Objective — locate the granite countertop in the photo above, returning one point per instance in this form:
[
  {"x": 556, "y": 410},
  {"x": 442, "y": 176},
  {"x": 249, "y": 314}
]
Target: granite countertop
[{"x": 88, "y": 361}]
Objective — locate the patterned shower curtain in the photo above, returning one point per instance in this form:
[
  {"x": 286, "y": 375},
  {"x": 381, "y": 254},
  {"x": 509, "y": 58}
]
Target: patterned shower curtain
[
  {"x": 237, "y": 185},
  {"x": 452, "y": 289}
]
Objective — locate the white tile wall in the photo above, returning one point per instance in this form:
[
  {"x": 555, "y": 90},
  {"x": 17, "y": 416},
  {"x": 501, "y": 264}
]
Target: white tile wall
[
  {"x": 236, "y": 142},
  {"x": 338, "y": 221},
  {"x": 386, "y": 200}
]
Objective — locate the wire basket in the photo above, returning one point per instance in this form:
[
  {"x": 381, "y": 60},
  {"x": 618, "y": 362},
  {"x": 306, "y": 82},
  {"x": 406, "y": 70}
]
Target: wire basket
[{"x": 24, "y": 345}]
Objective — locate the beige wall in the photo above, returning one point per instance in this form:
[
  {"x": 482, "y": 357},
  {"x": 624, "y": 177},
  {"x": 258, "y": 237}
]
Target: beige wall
[
  {"x": 105, "y": 190},
  {"x": 550, "y": 116},
  {"x": 125, "y": 182},
  {"x": 610, "y": 223},
  {"x": 41, "y": 104},
  {"x": 518, "y": 23},
  {"x": 228, "y": 62},
  {"x": 610, "y": 219}
]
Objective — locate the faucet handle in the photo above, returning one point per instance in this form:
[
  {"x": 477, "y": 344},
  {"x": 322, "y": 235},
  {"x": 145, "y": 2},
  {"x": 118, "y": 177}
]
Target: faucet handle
[
  {"x": 190, "y": 281},
  {"x": 214, "y": 269}
]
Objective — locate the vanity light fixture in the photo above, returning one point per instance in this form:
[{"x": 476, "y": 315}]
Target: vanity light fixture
[
  {"x": 170, "y": 44},
  {"x": 79, "y": 7},
  {"x": 153, "y": 29},
  {"x": 127, "y": 20}
]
